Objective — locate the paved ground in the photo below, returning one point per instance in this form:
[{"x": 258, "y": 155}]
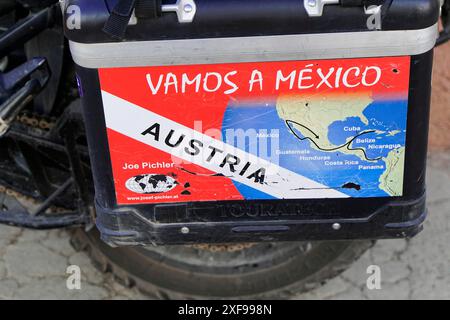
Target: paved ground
[
  {"x": 33, "y": 263},
  {"x": 418, "y": 268}
]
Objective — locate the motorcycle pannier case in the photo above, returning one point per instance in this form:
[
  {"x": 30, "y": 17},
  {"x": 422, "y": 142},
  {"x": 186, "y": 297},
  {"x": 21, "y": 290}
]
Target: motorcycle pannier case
[{"x": 257, "y": 120}]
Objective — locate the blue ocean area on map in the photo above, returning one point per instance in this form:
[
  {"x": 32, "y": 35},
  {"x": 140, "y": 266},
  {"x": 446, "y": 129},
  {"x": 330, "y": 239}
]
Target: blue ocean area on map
[{"x": 383, "y": 132}]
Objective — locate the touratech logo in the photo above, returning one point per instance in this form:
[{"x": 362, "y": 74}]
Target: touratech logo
[
  {"x": 243, "y": 211},
  {"x": 258, "y": 211}
]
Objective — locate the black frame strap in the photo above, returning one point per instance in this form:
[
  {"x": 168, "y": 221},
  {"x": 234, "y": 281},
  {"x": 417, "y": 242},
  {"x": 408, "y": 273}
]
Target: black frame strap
[{"x": 117, "y": 24}]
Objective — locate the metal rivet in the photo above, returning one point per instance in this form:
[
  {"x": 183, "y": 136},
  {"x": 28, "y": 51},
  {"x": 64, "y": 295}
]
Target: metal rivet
[
  {"x": 312, "y": 3},
  {"x": 188, "y": 8},
  {"x": 336, "y": 226},
  {"x": 185, "y": 230}
]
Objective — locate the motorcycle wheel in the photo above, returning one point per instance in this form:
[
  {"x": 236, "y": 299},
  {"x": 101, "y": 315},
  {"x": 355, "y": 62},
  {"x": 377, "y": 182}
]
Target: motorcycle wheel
[{"x": 254, "y": 271}]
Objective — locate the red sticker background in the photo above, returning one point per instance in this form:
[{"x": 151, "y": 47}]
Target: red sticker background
[{"x": 131, "y": 84}]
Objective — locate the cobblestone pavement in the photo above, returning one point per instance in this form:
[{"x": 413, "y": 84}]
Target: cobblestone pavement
[{"x": 33, "y": 263}]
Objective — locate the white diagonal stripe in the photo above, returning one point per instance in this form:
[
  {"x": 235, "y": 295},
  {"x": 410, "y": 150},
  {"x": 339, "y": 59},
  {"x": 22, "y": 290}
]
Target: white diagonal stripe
[{"x": 131, "y": 120}]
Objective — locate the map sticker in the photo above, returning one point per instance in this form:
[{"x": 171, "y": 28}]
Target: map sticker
[{"x": 254, "y": 131}]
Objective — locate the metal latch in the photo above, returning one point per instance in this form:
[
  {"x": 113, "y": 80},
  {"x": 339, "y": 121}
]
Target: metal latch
[
  {"x": 185, "y": 10},
  {"x": 125, "y": 12},
  {"x": 314, "y": 8}
]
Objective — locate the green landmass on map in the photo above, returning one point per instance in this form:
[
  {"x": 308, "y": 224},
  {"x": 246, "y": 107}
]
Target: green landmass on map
[
  {"x": 391, "y": 181},
  {"x": 313, "y": 116}
]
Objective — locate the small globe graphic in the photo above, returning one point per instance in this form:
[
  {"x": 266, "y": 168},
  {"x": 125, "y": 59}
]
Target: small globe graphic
[{"x": 150, "y": 183}]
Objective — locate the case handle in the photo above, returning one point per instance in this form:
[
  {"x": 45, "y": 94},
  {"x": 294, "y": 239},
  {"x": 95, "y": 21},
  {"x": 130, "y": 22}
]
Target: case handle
[
  {"x": 148, "y": 9},
  {"x": 119, "y": 19},
  {"x": 314, "y": 8}
]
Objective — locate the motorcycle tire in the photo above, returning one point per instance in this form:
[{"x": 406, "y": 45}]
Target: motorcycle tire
[{"x": 234, "y": 271}]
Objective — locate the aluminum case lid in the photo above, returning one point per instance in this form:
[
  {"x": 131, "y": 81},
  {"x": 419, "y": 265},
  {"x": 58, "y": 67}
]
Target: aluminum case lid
[{"x": 251, "y": 30}]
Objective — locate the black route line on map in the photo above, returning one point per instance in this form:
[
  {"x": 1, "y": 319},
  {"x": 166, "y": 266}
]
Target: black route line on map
[
  {"x": 203, "y": 174},
  {"x": 345, "y": 145}
]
